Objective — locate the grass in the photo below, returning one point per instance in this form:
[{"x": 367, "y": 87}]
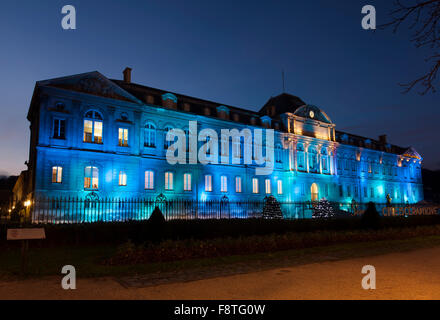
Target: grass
[{"x": 87, "y": 259}]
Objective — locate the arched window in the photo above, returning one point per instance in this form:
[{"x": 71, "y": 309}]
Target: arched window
[
  {"x": 314, "y": 192},
  {"x": 150, "y": 135},
  {"x": 324, "y": 160},
  {"x": 93, "y": 127},
  {"x": 313, "y": 160},
  {"x": 91, "y": 178}
]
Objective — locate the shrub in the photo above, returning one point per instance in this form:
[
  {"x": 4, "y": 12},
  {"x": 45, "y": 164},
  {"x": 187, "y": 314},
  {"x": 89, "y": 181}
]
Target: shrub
[{"x": 371, "y": 218}]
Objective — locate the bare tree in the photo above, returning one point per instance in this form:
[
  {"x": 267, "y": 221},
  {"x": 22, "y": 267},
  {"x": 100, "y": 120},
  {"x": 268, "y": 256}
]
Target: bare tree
[{"x": 424, "y": 19}]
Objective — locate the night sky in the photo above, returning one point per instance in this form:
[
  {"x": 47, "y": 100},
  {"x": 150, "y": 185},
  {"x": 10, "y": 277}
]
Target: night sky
[{"x": 231, "y": 52}]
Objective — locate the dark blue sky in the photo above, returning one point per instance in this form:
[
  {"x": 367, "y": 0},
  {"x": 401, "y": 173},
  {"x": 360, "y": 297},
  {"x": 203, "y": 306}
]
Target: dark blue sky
[{"x": 226, "y": 51}]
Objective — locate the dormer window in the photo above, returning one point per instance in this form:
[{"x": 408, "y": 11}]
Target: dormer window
[
  {"x": 223, "y": 112},
  {"x": 266, "y": 121},
  {"x": 169, "y": 100},
  {"x": 207, "y": 111}
]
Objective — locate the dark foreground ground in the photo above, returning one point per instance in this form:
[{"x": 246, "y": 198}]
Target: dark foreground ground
[{"x": 406, "y": 269}]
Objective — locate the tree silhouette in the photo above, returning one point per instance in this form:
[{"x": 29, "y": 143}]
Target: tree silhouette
[{"x": 424, "y": 19}]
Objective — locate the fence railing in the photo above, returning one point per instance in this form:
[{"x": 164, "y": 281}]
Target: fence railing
[{"x": 87, "y": 210}]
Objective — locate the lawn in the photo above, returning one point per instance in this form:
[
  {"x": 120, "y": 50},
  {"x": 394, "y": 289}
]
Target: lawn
[{"x": 88, "y": 260}]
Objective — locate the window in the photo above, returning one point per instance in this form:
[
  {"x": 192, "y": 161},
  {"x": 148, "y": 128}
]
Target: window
[
  {"x": 267, "y": 186},
  {"x": 224, "y": 184},
  {"x": 150, "y": 135},
  {"x": 254, "y": 185},
  {"x": 278, "y": 154},
  {"x": 167, "y": 144},
  {"x": 93, "y": 127},
  {"x": 57, "y": 174},
  {"x": 187, "y": 182},
  {"x": 365, "y": 192},
  {"x": 348, "y": 191},
  {"x": 149, "y": 180},
  {"x": 371, "y": 192},
  {"x": 122, "y": 178},
  {"x": 280, "y": 186},
  {"x": 326, "y": 190},
  {"x": 169, "y": 181},
  {"x": 91, "y": 178},
  {"x": 208, "y": 183},
  {"x": 123, "y": 137},
  {"x": 341, "y": 191},
  {"x": 238, "y": 184},
  {"x": 59, "y": 128}
]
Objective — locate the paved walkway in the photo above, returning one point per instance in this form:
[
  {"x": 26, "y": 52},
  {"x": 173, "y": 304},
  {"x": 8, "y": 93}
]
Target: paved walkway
[{"x": 408, "y": 275}]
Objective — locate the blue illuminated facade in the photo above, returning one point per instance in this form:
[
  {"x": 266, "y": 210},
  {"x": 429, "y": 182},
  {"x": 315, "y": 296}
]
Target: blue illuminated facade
[{"x": 93, "y": 134}]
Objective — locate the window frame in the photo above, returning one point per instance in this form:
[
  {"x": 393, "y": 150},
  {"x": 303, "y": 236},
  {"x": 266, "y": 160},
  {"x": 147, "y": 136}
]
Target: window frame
[
  {"x": 169, "y": 177},
  {"x": 95, "y": 118},
  {"x": 58, "y": 174},
  {"x": 150, "y": 180},
  {"x": 92, "y": 178},
  {"x": 58, "y": 134}
]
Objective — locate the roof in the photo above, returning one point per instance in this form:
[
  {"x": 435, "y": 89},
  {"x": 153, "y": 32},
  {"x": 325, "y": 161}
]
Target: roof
[{"x": 95, "y": 83}]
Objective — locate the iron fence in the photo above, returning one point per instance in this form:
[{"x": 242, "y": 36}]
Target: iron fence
[{"x": 67, "y": 210}]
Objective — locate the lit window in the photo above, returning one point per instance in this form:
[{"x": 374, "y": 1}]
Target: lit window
[
  {"x": 238, "y": 184},
  {"x": 187, "y": 182},
  {"x": 57, "y": 174},
  {"x": 123, "y": 137},
  {"x": 149, "y": 180},
  {"x": 122, "y": 178},
  {"x": 150, "y": 135},
  {"x": 169, "y": 181},
  {"x": 267, "y": 186},
  {"x": 59, "y": 128},
  {"x": 254, "y": 185},
  {"x": 93, "y": 127},
  {"x": 280, "y": 186},
  {"x": 208, "y": 183},
  {"x": 224, "y": 184},
  {"x": 91, "y": 178}
]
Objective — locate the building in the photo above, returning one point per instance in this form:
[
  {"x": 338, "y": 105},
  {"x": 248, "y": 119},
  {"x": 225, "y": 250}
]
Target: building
[{"x": 93, "y": 135}]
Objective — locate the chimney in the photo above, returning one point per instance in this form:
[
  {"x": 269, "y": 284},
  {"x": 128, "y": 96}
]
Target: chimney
[
  {"x": 127, "y": 75},
  {"x": 383, "y": 139}
]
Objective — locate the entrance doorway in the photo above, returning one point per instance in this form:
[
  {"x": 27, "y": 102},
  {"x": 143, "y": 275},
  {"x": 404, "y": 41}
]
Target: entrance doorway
[{"x": 314, "y": 192}]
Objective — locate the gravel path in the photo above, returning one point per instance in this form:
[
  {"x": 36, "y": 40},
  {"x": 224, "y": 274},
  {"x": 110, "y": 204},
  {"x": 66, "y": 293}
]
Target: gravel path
[{"x": 408, "y": 275}]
